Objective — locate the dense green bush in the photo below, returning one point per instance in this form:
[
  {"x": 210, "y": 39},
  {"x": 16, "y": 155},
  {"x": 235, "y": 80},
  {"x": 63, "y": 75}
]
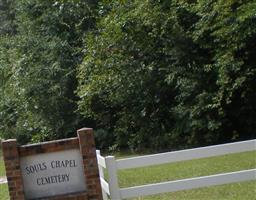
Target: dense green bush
[
  {"x": 161, "y": 74},
  {"x": 39, "y": 101}
]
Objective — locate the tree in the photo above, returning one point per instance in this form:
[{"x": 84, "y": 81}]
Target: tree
[
  {"x": 7, "y": 17},
  {"x": 231, "y": 25},
  {"x": 161, "y": 74},
  {"x": 48, "y": 48},
  {"x": 127, "y": 79}
]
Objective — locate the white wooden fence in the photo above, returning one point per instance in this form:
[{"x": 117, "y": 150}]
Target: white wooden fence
[{"x": 111, "y": 188}]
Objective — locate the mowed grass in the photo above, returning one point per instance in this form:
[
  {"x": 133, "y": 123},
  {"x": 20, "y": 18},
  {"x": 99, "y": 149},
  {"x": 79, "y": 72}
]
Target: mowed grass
[
  {"x": 4, "y": 195},
  {"x": 237, "y": 191},
  {"x": 2, "y": 168},
  {"x": 187, "y": 169},
  {"x": 195, "y": 168}
]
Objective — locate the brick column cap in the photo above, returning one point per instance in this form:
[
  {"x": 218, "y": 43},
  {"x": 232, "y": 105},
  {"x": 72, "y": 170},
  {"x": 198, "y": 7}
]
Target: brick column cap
[{"x": 84, "y": 129}]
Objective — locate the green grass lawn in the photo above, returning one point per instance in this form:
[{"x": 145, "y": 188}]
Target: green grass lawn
[
  {"x": 3, "y": 187},
  {"x": 2, "y": 169},
  {"x": 195, "y": 168},
  {"x": 237, "y": 191},
  {"x": 4, "y": 195},
  {"x": 187, "y": 169}
]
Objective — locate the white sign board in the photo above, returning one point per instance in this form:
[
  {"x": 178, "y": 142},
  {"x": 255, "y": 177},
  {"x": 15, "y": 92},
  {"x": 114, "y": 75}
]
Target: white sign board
[{"x": 51, "y": 174}]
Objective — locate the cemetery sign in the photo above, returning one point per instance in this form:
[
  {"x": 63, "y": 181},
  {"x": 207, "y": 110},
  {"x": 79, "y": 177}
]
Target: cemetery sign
[{"x": 60, "y": 169}]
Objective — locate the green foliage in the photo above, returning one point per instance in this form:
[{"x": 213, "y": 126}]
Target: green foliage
[
  {"x": 228, "y": 30},
  {"x": 7, "y": 17},
  {"x": 145, "y": 74},
  {"x": 122, "y": 84},
  {"x": 171, "y": 74},
  {"x": 39, "y": 101}
]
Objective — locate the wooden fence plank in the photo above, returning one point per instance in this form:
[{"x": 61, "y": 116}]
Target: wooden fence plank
[
  {"x": 113, "y": 181},
  {"x": 189, "y": 154},
  {"x": 104, "y": 184},
  {"x": 186, "y": 184}
]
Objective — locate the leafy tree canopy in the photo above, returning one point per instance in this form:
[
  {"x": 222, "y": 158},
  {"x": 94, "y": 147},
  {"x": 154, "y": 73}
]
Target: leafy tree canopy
[{"x": 144, "y": 74}]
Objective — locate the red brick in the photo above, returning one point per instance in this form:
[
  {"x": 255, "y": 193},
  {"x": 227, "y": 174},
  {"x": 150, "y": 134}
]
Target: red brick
[{"x": 84, "y": 141}]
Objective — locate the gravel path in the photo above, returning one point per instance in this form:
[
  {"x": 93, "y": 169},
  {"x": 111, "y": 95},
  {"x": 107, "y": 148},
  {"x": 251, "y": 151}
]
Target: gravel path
[{"x": 3, "y": 180}]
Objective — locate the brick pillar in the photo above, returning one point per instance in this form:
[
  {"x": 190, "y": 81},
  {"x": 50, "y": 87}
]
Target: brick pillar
[
  {"x": 91, "y": 171},
  {"x": 13, "y": 172}
]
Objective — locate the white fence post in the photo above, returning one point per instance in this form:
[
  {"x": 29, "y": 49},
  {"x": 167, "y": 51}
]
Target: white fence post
[
  {"x": 112, "y": 175},
  {"x": 101, "y": 173},
  {"x": 112, "y": 166}
]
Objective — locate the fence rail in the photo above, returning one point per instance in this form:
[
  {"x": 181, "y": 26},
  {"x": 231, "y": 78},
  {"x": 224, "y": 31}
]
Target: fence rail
[
  {"x": 190, "y": 154},
  {"x": 186, "y": 184},
  {"x": 104, "y": 183},
  {"x": 111, "y": 188}
]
